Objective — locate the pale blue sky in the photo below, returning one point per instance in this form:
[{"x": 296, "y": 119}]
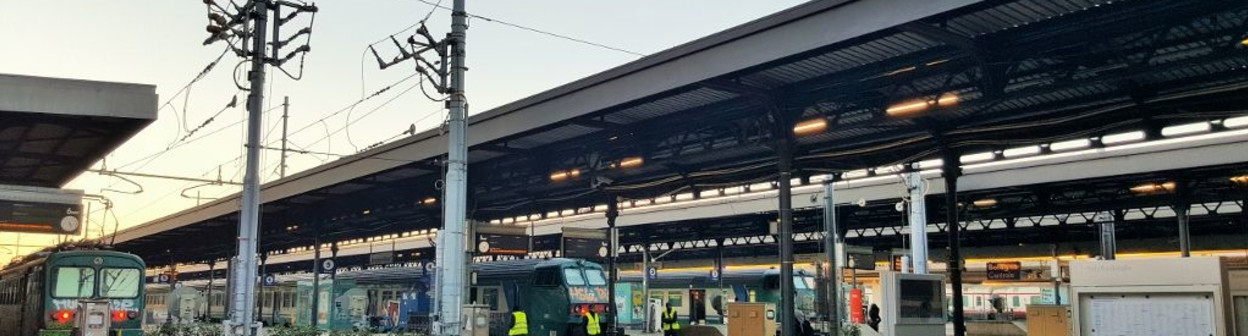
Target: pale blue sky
[{"x": 159, "y": 42}]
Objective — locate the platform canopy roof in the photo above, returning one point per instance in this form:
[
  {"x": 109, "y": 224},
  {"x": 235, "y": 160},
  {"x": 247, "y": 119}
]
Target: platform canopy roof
[
  {"x": 52, "y": 129},
  {"x": 865, "y": 83}
]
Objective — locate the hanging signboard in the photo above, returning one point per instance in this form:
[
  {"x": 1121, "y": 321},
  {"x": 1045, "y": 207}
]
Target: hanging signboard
[
  {"x": 501, "y": 240},
  {"x": 584, "y": 243},
  {"x": 40, "y": 210},
  {"x": 859, "y": 258},
  {"x": 1009, "y": 270},
  {"x": 381, "y": 258}
]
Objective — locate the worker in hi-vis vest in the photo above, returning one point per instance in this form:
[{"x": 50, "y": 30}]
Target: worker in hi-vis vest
[
  {"x": 670, "y": 325},
  {"x": 519, "y": 323},
  {"x": 593, "y": 326}
]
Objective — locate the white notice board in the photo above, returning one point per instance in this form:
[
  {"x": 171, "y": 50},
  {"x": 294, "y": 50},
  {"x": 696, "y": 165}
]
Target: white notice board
[{"x": 1149, "y": 314}]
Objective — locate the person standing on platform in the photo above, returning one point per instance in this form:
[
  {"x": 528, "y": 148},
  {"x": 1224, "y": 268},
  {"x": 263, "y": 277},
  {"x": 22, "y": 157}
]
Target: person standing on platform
[
  {"x": 593, "y": 323},
  {"x": 519, "y": 322},
  {"x": 873, "y": 317},
  {"x": 670, "y": 324}
]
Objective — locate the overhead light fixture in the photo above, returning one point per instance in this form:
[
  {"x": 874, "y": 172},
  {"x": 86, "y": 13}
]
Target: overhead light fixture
[
  {"x": 810, "y": 126},
  {"x": 909, "y": 108},
  {"x": 1241, "y": 179},
  {"x": 565, "y": 174},
  {"x": 906, "y": 108},
  {"x": 631, "y": 162},
  {"x": 1153, "y": 187},
  {"x": 985, "y": 203},
  {"x": 947, "y": 100},
  {"x": 429, "y": 201}
]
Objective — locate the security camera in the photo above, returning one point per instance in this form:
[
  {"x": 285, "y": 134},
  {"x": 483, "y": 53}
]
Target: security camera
[
  {"x": 861, "y": 202},
  {"x": 900, "y": 206}
]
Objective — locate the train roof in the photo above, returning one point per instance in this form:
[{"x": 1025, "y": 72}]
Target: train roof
[
  {"x": 413, "y": 274},
  {"x": 685, "y": 277}
]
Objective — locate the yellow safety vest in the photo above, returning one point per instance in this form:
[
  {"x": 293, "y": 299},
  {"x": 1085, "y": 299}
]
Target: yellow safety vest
[
  {"x": 592, "y": 327},
  {"x": 521, "y": 324},
  {"x": 670, "y": 315}
]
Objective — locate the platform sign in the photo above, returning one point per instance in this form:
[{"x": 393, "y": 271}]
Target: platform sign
[
  {"x": 584, "y": 248},
  {"x": 269, "y": 280},
  {"x": 327, "y": 266},
  {"x": 859, "y": 258},
  {"x": 652, "y": 272},
  {"x": 715, "y": 273},
  {"x": 40, "y": 210},
  {"x": 40, "y": 217},
  {"x": 1009, "y": 270},
  {"x": 502, "y": 244},
  {"x": 583, "y": 243}
]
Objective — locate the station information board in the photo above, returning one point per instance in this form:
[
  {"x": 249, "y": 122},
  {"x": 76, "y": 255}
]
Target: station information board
[
  {"x": 502, "y": 244},
  {"x": 1009, "y": 270},
  {"x": 40, "y": 210},
  {"x": 586, "y": 248}
]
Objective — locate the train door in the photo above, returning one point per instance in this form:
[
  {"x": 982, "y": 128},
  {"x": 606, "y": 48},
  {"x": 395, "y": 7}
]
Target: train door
[{"x": 697, "y": 304}]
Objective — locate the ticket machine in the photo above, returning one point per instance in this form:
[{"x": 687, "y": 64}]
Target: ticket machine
[{"x": 912, "y": 304}]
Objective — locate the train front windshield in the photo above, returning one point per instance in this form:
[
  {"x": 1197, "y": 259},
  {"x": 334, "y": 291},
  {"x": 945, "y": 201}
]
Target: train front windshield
[{"x": 587, "y": 288}]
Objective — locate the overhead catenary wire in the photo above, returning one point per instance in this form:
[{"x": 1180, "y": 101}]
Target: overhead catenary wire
[{"x": 438, "y": 5}]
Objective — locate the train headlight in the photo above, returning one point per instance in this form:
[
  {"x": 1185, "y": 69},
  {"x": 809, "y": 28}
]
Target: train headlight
[{"x": 63, "y": 316}]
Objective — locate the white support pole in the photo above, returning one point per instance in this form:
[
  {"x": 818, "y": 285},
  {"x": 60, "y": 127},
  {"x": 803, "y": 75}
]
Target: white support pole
[
  {"x": 453, "y": 261},
  {"x": 918, "y": 221}
]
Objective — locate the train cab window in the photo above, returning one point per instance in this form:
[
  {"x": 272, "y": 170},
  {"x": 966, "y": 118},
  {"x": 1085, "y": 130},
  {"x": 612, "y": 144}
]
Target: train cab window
[
  {"x": 546, "y": 277},
  {"x": 74, "y": 282},
  {"x": 595, "y": 277},
  {"x": 120, "y": 283},
  {"x": 573, "y": 277},
  {"x": 771, "y": 282}
]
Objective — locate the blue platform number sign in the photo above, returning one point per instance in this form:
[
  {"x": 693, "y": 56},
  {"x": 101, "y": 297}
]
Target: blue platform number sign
[
  {"x": 163, "y": 278},
  {"x": 270, "y": 280},
  {"x": 714, "y": 274},
  {"x": 652, "y": 273},
  {"x": 327, "y": 266}
]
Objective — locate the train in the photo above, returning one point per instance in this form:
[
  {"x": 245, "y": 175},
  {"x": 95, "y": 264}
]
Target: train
[
  {"x": 40, "y": 294},
  {"x": 695, "y": 295},
  {"x": 551, "y": 291},
  {"x": 997, "y": 301}
]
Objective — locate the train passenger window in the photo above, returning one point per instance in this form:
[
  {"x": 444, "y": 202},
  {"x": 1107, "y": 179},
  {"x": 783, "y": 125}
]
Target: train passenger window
[
  {"x": 548, "y": 277},
  {"x": 120, "y": 283},
  {"x": 979, "y": 301},
  {"x": 675, "y": 298},
  {"x": 1016, "y": 302},
  {"x": 490, "y": 297},
  {"x": 595, "y": 277},
  {"x": 74, "y": 282},
  {"x": 573, "y": 277}
]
